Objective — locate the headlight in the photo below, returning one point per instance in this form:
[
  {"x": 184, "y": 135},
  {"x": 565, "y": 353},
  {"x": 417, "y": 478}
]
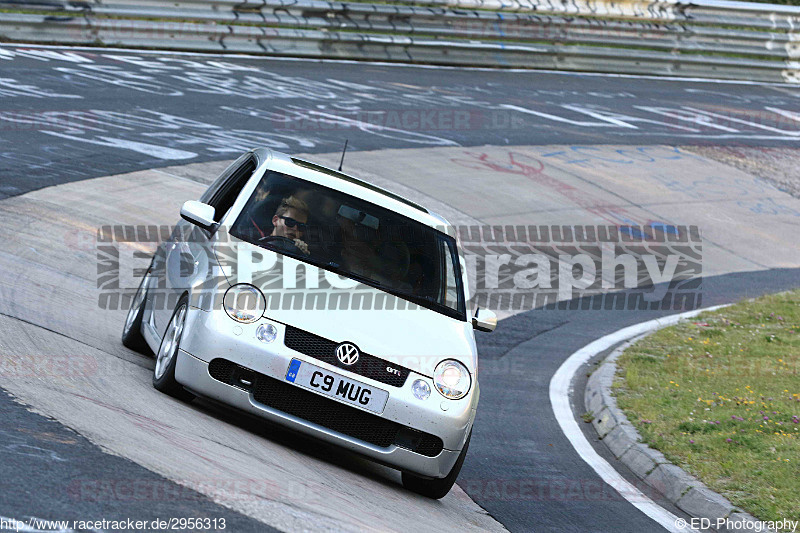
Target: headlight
[
  {"x": 452, "y": 379},
  {"x": 244, "y": 303}
]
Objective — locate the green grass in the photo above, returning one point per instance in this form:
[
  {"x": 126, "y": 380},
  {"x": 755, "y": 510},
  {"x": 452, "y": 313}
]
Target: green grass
[{"x": 719, "y": 395}]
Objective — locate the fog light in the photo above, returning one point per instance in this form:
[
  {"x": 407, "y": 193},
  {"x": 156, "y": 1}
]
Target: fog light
[
  {"x": 421, "y": 389},
  {"x": 266, "y": 333}
]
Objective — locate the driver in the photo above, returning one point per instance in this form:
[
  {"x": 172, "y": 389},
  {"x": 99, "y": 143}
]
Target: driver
[{"x": 289, "y": 222}]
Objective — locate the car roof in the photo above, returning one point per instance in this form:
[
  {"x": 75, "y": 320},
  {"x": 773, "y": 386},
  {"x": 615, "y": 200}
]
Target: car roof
[{"x": 353, "y": 186}]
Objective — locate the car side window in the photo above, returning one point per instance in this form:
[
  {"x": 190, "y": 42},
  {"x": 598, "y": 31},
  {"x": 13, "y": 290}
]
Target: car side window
[
  {"x": 226, "y": 174},
  {"x": 223, "y": 192}
]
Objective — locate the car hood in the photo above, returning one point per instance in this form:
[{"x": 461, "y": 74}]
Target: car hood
[
  {"x": 416, "y": 339},
  {"x": 377, "y": 322}
]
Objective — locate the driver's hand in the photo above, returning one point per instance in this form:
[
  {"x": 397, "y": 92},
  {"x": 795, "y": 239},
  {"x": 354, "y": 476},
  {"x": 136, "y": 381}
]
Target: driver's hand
[{"x": 302, "y": 246}]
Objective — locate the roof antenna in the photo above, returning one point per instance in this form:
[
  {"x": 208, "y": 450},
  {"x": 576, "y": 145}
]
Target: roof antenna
[{"x": 343, "y": 152}]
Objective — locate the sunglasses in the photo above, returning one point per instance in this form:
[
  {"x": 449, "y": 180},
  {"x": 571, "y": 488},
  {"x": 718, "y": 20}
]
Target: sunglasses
[{"x": 291, "y": 223}]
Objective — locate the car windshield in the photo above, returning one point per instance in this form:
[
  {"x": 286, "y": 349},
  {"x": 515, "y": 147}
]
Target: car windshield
[{"x": 354, "y": 238}]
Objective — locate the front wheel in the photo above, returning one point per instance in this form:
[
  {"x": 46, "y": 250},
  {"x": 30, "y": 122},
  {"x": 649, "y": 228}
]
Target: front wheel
[
  {"x": 437, "y": 488},
  {"x": 132, "y": 331},
  {"x": 167, "y": 357}
]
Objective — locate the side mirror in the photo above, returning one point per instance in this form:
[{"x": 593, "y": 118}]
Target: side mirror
[
  {"x": 484, "y": 320},
  {"x": 199, "y": 214}
]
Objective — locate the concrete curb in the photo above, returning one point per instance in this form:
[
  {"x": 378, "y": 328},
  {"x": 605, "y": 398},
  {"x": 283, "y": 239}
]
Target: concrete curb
[{"x": 623, "y": 440}]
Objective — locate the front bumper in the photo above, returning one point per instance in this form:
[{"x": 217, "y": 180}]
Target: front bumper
[{"x": 208, "y": 336}]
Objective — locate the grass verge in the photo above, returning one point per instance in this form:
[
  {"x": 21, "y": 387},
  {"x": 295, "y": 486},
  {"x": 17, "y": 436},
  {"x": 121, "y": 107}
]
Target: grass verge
[{"x": 719, "y": 395}]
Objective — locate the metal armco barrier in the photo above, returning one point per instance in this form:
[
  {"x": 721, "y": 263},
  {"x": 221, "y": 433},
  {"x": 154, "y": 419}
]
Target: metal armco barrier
[{"x": 704, "y": 38}]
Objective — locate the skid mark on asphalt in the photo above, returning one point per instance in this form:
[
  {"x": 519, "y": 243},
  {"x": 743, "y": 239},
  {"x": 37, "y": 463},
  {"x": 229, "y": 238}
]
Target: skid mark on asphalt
[
  {"x": 170, "y": 434},
  {"x": 534, "y": 169},
  {"x": 669, "y": 185},
  {"x": 698, "y": 189}
]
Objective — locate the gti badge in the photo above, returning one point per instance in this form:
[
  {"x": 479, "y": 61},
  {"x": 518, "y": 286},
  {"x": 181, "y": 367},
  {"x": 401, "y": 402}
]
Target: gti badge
[{"x": 347, "y": 353}]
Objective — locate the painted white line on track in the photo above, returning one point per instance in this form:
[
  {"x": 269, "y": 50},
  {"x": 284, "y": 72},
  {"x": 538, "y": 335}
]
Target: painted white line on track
[
  {"x": 100, "y": 50},
  {"x": 560, "y": 389},
  {"x": 152, "y": 150}
]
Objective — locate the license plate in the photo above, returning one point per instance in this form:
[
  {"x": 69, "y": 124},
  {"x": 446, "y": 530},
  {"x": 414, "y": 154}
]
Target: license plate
[{"x": 336, "y": 386}]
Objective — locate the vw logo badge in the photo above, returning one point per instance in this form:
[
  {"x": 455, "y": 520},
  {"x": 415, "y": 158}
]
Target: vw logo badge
[{"x": 347, "y": 353}]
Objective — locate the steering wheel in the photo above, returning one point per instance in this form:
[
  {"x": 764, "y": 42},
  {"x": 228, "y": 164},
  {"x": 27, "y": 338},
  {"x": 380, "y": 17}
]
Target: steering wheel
[{"x": 282, "y": 243}]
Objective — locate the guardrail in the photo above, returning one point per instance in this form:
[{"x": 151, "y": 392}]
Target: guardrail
[{"x": 706, "y": 38}]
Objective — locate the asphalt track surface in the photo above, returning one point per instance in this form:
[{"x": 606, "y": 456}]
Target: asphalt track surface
[
  {"x": 74, "y": 114},
  {"x": 61, "y": 123}
]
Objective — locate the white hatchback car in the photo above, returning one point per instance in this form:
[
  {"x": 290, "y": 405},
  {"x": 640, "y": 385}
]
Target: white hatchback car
[{"x": 322, "y": 303}]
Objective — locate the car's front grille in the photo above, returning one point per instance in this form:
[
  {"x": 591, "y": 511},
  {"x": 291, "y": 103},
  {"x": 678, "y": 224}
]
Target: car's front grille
[
  {"x": 325, "y": 350},
  {"x": 324, "y": 412}
]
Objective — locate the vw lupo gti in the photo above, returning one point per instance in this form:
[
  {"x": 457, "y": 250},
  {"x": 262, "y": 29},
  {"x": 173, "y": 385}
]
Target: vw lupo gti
[{"x": 322, "y": 303}]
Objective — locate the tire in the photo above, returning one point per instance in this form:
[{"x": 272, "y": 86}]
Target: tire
[
  {"x": 437, "y": 488},
  {"x": 167, "y": 356},
  {"x": 132, "y": 330}
]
